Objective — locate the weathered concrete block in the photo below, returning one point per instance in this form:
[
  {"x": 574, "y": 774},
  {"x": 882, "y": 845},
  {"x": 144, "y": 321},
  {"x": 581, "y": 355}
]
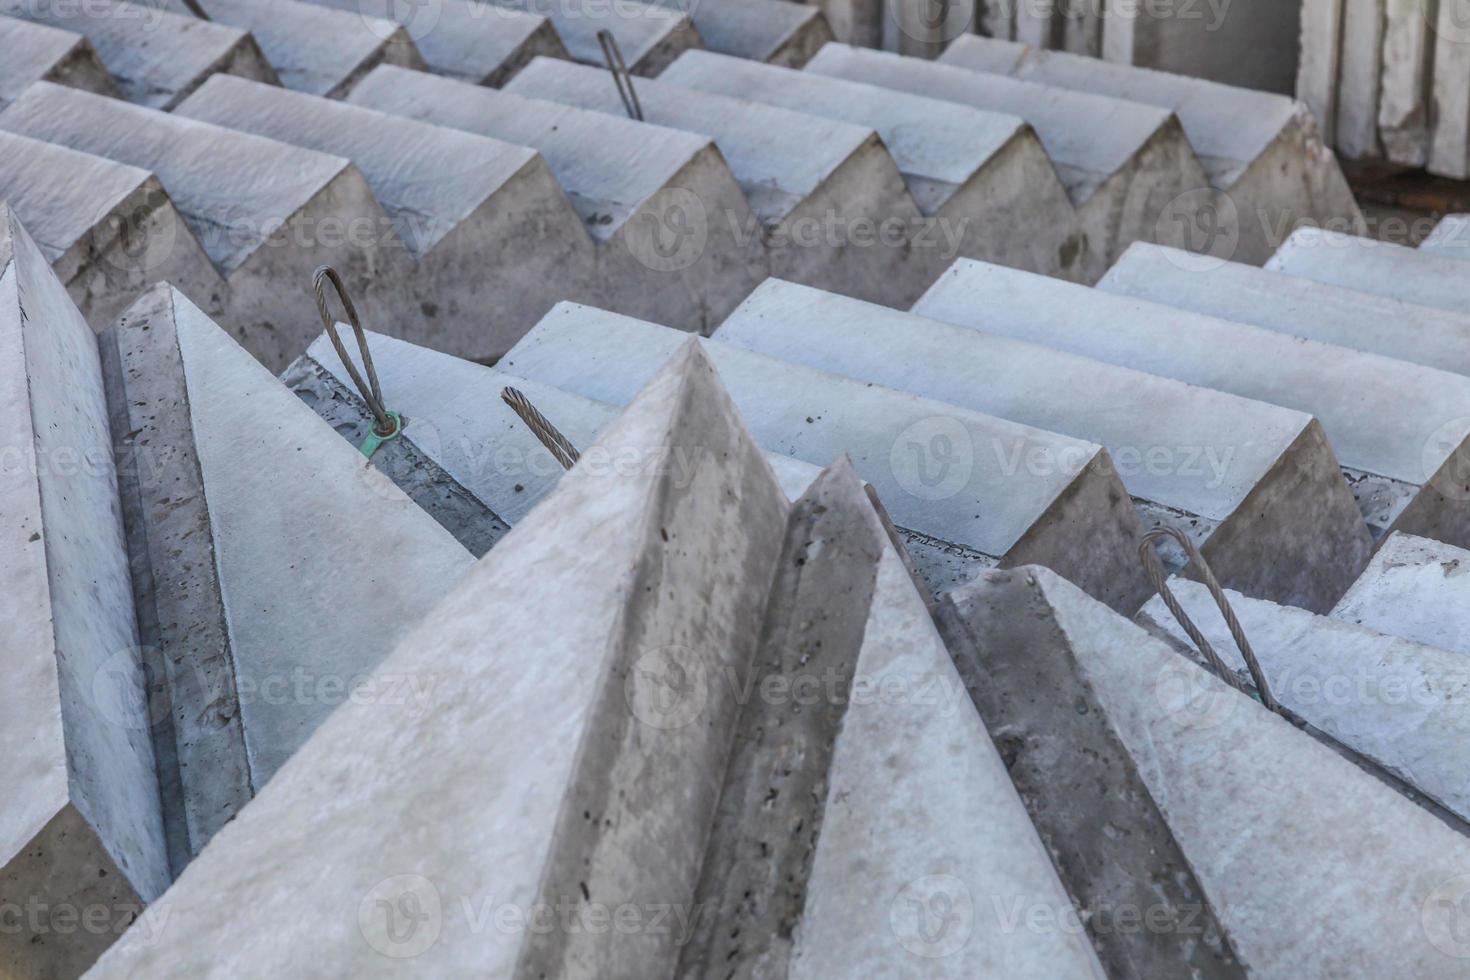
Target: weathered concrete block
[
  {"x": 1415, "y": 588},
  {"x": 1297, "y": 307},
  {"x": 81, "y": 834},
  {"x": 467, "y": 39},
  {"x": 773, "y": 31},
  {"x": 649, "y": 36},
  {"x": 1360, "y": 78},
  {"x": 1127, "y": 166},
  {"x": 563, "y": 781},
  {"x": 1262, "y": 150},
  {"x": 969, "y": 491},
  {"x": 156, "y": 57},
  {"x": 274, "y": 568},
  {"x": 1287, "y": 838},
  {"x": 108, "y": 229},
  {"x": 40, "y": 53},
  {"x": 1403, "y": 104},
  {"x": 1250, "y": 43},
  {"x": 1321, "y": 57},
  {"x": 265, "y": 213},
  {"x": 314, "y": 48},
  {"x": 1449, "y": 150},
  {"x": 1256, "y": 486},
  {"x": 1397, "y": 704},
  {"x": 631, "y": 184},
  {"x": 830, "y": 203},
  {"x": 982, "y": 177},
  {"x": 1429, "y": 276},
  {"x": 490, "y": 236}
]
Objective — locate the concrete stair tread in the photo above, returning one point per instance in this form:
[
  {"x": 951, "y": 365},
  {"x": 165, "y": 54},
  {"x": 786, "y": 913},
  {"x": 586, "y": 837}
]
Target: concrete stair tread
[
  {"x": 1427, "y": 278},
  {"x": 38, "y": 52},
  {"x": 648, "y": 35},
  {"x": 1414, "y": 588},
  {"x": 774, "y": 31}
]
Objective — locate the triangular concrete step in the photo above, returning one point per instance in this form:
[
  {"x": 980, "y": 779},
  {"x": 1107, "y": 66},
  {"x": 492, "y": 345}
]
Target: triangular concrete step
[
  {"x": 1255, "y": 486},
  {"x": 630, "y": 182},
  {"x": 1450, "y": 238},
  {"x": 1298, "y": 307},
  {"x": 648, "y": 35},
  {"x": 827, "y": 859},
  {"x": 491, "y": 237},
  {"x": 774, "y": 31},
  {"x": 266, "y": 213},
  {"x": 466, "y": 39},
  {"x": 1399, "y": 455},
  {"x": 313, "y": 48},
  {"x": 235, "y": 495},
  {"x": 156, "y": 57},
  {"x": 1416, "y": 588},
  {"x": 1401, "y": 705},
  {"x": 1313, "y": 867},
  {"x": 1424, "y": 277},
  {"x": 41, "y": 53},
  {"x": 1263, "y": 150},
  {"x": 982, "y": 176},
  {"x": 464, "y": 455},
  {"x": 833, "y": 209},
  {"x": 108, "y": 229},
  {"x": 969, "y": 491},
  {"x": 80, "y": 823},
  {"x": 1128, "y": 166},
  {"x": 576, "y": 705}
]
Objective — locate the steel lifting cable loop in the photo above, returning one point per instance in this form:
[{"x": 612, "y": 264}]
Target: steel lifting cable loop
[
  {"x": 622, "y": 77},
  {"x": 557, "y": 444},
  {"x": 1154, "y": 569},
  {"x": 196, "y": 10},
  {"x": 387, "y": 424}
]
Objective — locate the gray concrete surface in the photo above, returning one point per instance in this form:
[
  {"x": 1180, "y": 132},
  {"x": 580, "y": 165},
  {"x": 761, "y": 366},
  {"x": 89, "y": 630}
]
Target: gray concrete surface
[
  {"x": 631, "y": 184},
  {"x": 38, "y": 52},
  {"x": 80, "y": 820},
  {"x": 1450, "y": 238},
  {"x": 648, "y": 35},
  {"x": 774, "y": 31},
  {"x": 1249, "y": 43},
  {"x": 234, "y": 494},
  {"x": 1449, "y": 96},
  {"x": 1428, "y": 276},
  {"x": 1415, "y": 588},
  {"x": 1233, "y": 473}
]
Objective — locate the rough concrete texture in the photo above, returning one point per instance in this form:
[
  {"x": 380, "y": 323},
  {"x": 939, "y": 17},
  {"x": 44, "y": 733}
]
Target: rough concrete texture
[
  {"x": 649, "y": 36},
  {"x": 40, "y": 53},
  {"x": 826, "y": 859},
  {"x": 234, "y": 494},
  {"x": 156, "y": 57},
  {"x": 1450, "y": 238},
  {"x": 467, "y": 39},
  {"x": 265, "y": 213},
  {"x": 1360, "y": 78},
  {"x": 108, "y": 229},
  {"x": 1107, "y": 837},
  {"x": 983, "y": 177},
  {"x": 1127, "y": 166},
  {"x": 1449, "y": 148},
  {"x": 314, "y": 48},
  {"x": 1241, "y": 477},
  {"x": 1398, "y": 704},
  {"x": 573, "y": 777},
  {"x": 1320, "y": 59},
  {"x": 1263, "y": 150},
  {"x": 1250, "y": 43},
  {"x": 774, "y": 31},
  {"x": 80, "y": 822},
  {"x": 1297, "y": 307},
  {"x": 1426, "y": 276},
  {"x": 490, "y": 235},
  {"x": 820, "y": 189},
  {"x": 1314, "y": 867},
  {"x": 968, "y": 490},
  {"x": 1403, "y": 105},
  {"x": 1389, "y": 447},
  {"x": 631, "y": 183},
  {"x": 1414, "y": 588}
]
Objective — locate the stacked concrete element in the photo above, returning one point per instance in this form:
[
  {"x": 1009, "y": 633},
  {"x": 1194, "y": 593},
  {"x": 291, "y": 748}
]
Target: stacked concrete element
[
  {"x": 265, "y": 213},
  {"x": 40, "y": 53},
  {"x": 1128, "y": 166},
  {"x": 1256, "y": 486},
  {"x": 488, "y": 233},
  {"x": 1450, "y": 238},
  {"x": 467, "y": 39},
  {"x": 1285, "y": 837},
  {"x": 1398, "y": 454},
  {"x": 313, "y": 48},
  {"x": 1296, "y": 307},
  {"x": 1414, "y": 588},
  {"x": 108, "y": 229},
  {"x": 969, "y": 491},
  {"x": 1426, "y": 277},
  {"x": 1398, "y": 705},
  {"x": 671, "y": 236},
  {"x": 156, "y": 57},
  {"x": 829, "y": 200},
  {"x": 80, "y": 821},
  {"x": 774, "y": 31},
  {"x": 1263, "y": 151},
  {"x": 234, "y": 495},
  {"x": 983, "y": 177},
  {"x": 650, "y": 36}
]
